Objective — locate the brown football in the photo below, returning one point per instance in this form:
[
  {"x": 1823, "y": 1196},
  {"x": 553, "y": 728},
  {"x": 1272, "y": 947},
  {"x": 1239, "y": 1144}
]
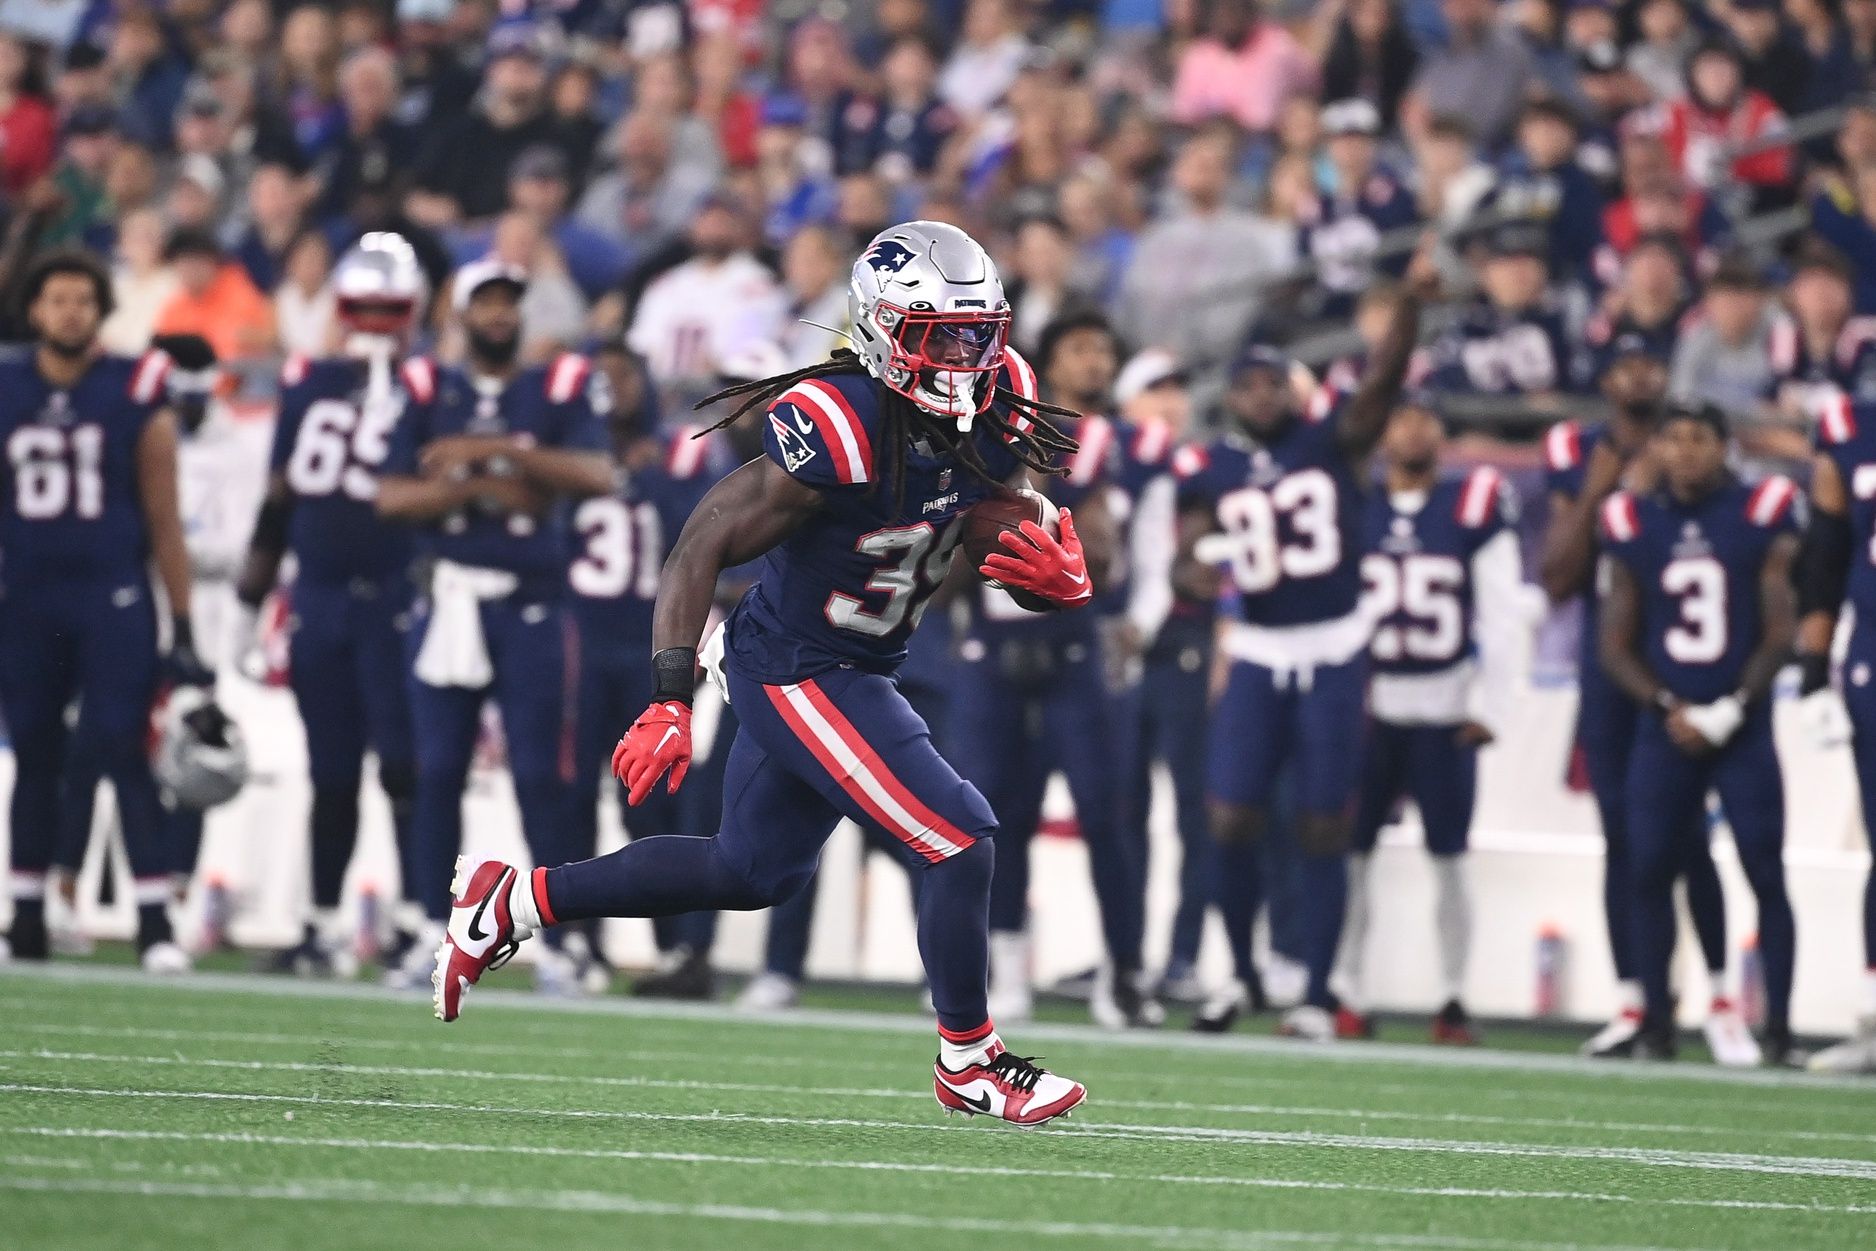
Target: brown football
[{"x": 985, "y": 521}]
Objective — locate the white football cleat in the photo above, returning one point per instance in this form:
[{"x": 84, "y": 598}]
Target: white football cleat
[
  {"x": 1007, "y": 1086},
  {"x": 1855, "y": 1054},
  {"x": 769, "y": 992},
  {"x": 1731, "y": 1043},
  {"x": 1309, "y": 1023},
  {"x": 482, "y": 932},
  {"x": 1616, "y": 1040},
  {"x": 165, "y": 959}
]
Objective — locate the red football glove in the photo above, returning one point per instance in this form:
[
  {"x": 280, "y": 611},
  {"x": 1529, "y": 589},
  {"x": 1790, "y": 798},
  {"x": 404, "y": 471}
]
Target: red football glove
[
  {"x": 1041, "y": 565},
  {"x": 658, "y": 740}
]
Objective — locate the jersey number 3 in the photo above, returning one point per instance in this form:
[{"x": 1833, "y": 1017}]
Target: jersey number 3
[
  {"x": 1699, "y": 583},
  {"x": 57, "y": 469}
]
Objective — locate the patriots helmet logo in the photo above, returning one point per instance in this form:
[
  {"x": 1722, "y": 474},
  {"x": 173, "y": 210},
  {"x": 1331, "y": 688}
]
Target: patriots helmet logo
[{"x": 889, "y": 256}]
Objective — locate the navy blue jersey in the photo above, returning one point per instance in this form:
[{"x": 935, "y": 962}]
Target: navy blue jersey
[
  {"x": 1565, "y": 198},
  {"x": 1290, "y": 513},
  {"x": 1418, "y": 570},
  {"x": 1847, "y": 434},
  {"x": 1697, "y": 567},
  {"x": 850, "y": 584},
  {"x": 621, "y": 539},
  {"x": 1498, "y": 352},
  {"x": 1805, "y": 379},
  {"x": 557, "y": 405},
  {"x": 1341, "y": 232},
  {"x": 329, "y": 445},
  {"x": 74, "y": 506}
]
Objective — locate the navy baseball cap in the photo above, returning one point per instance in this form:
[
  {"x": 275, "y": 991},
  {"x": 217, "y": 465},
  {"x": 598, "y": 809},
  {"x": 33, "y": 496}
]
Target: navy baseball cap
[
  {"x": 1261, "y": 356},
  {"x": 1624, "y": 347}
]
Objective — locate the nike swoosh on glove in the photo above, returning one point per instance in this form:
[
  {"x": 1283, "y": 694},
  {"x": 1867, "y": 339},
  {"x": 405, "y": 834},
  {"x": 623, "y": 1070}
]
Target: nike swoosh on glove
[
  {"x": 658, "y": 740},
  {"x": 1038, "y": 563}
]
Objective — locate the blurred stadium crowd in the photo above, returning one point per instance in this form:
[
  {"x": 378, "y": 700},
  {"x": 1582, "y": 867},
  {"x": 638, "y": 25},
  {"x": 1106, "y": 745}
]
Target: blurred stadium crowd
[{"x": 685, "y": 186}]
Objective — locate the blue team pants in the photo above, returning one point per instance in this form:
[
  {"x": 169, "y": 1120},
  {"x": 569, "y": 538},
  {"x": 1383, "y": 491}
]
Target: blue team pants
[
  {"x": 842, "y": 744},
  {"x": 1172, "y": 715},
  {"x": 1425, "y": 763}
]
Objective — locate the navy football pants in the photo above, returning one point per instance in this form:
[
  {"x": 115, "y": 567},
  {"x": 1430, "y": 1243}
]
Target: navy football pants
[
  {"x": 532, "y": 651},
  {"x": 1667, "y": 793},
  {"x": 1425, "y": 763},
  {"x": 1009, "y": 738},
  {"x": 347, "y": 669},
  {"x": 1605, "y": 733},
  {"x": 843, "y": 744},
  {"x": 1172, "y": 714},
  {"x": 93, "y": 643}
]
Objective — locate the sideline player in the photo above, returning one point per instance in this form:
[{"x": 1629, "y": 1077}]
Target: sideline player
[
  {"x": 485, "y": 461},
  {"x": 90, "y": 502},
  {"x": 869, "y": 461},
  {"x": 1444, "y": 586},
  {"x": 1278, "y": 502},
  {"x": 1698, "y": 619},
  {"x": 1838, "y": 562},
  {"x": 1584, "y": 465},
  {"x": 351, "y": 593}
]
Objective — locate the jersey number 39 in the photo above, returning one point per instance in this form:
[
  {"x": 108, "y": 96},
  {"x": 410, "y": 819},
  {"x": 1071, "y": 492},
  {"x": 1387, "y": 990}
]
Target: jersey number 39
[{"x": 913, "y": 561}]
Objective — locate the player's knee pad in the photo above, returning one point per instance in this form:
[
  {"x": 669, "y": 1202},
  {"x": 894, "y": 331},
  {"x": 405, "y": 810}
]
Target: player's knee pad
[
  {"x": 1324, "y": 833},
  {"x": 1234, "y": 825},
  {"x": 976, "y": 863}
]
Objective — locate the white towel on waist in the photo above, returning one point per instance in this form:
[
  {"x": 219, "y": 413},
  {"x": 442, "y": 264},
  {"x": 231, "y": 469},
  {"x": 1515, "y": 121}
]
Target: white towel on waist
[{"x": 454, "y": 653}]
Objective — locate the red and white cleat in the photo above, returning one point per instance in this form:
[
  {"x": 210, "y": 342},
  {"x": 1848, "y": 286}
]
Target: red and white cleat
[
  {"x": 1007, "y": 1086},
  {"x": 482, "y": 933}
]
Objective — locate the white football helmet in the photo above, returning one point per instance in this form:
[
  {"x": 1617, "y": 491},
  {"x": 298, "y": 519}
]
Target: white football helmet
[
  {"x": 379, "y": 285},
  {"x": 929, "y": 318},
  {"x": 201, "y": 757}
]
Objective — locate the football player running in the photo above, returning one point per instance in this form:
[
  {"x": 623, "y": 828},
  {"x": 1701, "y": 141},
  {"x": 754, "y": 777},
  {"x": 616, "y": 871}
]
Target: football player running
[
  {"x": 1278, "y": 503},
  {"x": 869, "y": 460},
  {"x": 1698, "y": 618}
]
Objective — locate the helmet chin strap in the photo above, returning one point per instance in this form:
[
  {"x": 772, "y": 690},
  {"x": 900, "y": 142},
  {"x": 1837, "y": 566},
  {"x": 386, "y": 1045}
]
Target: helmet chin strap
[
  {"x": 944, "y": 403},
  {"x": 376, "y": 350}
]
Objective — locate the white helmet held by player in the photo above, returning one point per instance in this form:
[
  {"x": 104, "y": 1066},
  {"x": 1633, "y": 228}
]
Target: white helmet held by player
[
  {"x": 201, "y": 757},
  {"x": 379, "y": 286},
  {"x": 929, "y": 317}
]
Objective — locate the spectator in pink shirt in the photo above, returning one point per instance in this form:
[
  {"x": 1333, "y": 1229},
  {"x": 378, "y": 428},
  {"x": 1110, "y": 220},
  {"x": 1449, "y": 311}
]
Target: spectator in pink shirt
[{"x": 1245, "y": 68}]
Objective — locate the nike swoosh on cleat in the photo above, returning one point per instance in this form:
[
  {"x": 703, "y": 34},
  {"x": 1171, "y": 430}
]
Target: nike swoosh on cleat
[
  {"x": 475, "y": 922},
  {"x": 981, "y": 1103}
]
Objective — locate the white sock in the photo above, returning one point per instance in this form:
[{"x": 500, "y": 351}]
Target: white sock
[
  {"x": 1346, "y": 976},
  {"x": 1716, "y": 987},
  {"x": 1869, "y": 990},
  {"x": 327, "y": 927},
  {"x": 521, "y": 904},
  {"x": 956, "y": 1056},
  {"x": 1628, "y": 996},
  {"x": 1452, "y": 921},
  {"x": 410, "y": 917}
]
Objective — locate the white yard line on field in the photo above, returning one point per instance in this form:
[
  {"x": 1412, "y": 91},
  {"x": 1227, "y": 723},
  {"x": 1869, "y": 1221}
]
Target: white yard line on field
[
  {"x": 947, "y": 1170},
  {"x": 1708, "y": 1161},
  {"x": 323, "y": 1190},
  {"x": 1367, "y": 1053},
  {"x": 343, "y": 1068},
  {"x": 475, "y": 1046}
]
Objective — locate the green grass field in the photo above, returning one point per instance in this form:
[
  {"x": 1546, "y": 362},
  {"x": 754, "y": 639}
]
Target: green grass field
[{"x": 252, "y": 1113}]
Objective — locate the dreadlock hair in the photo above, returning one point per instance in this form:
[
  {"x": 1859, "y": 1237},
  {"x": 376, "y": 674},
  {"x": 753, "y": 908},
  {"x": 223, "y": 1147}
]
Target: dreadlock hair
[{"x": 1040, "y": 447}]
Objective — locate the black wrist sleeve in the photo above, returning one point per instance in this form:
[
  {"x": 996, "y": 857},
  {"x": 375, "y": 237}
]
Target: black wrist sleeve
[
  {"x": 1823, "y": 565},
  {"x": 674, "y": 674},
  {"x": 1813, "y": 672}
]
